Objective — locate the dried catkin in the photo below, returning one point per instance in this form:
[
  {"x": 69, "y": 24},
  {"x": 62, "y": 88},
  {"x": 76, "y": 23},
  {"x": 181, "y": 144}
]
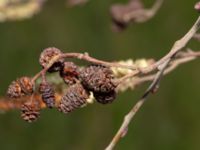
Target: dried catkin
[
  {"x": 97, "y": 78},
  {"x": 75, "y": 97}
]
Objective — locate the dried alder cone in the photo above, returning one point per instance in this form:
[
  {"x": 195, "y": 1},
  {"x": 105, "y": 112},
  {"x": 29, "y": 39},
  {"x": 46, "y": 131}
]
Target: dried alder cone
[
  {"x": 75, "y": 97},
  {"x": 20, "y": 87},
  {"x": 105, "y": 98},
  {"x": 30, "y": 111},
  {"x": 48, "y": 94},
  {"x": 82, "y": 83},
  {"x": 48, "y": 55},
  {"x": 69, "y": 73},
  {"x": 98, "y": 78}
]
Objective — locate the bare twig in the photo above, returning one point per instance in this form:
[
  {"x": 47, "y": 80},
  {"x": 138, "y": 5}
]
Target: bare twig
[
  {"x": 127, "y": 119},
  {"x": 8, "y": 104},
  {"x": 160, "y": 66},
  {"x": 85, "y": 57},
  {"x": 182, "y": 57},
  {"x": 178, "y": 45}
]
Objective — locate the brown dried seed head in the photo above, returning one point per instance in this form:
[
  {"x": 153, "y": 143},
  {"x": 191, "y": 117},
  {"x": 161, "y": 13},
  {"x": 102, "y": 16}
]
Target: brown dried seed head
[
  {"x": 26, "y": 85},
  {"x": 48, "y": 55},
  {"x": 105, "y": 98},
  {"x": 14, "y": 90},
  {"x": 48, "y": 94},
  {"x": 20, "y": 87},
  {"x": 98, "y": 78},
  {"x": 74, "y": 97},
  {"x": 69, "y": 73},
  {"x": 30, "y": 112}
]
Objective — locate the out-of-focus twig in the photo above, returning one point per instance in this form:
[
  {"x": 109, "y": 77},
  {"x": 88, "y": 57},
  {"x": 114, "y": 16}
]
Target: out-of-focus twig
[
  {"x": 72, "y": 3},
  {"x": 133, "y": 12},
  {"x": 197, "y": 37}
]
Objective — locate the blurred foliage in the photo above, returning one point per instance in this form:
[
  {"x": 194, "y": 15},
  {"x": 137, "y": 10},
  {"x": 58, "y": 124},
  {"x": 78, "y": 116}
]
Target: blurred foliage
[
  {"x": 12, "y": 10},
  {"x": 169, "y": 120}
]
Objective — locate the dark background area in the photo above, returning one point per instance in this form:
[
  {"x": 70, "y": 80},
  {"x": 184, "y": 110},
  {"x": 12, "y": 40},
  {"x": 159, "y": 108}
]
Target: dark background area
[{"x": 169, "y": 120}]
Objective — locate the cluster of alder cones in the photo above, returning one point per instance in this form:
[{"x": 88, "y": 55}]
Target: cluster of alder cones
[{"x": 81, "y": 81}]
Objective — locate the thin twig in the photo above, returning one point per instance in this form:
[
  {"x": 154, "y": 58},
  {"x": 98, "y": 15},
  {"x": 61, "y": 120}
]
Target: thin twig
[
  {"x": 160, "y": 66},
  {"x": 178, "y": 45},
  {"x": 85, "y": 57},
  {"x": 128, "y": 118},
  {"x": 183, "y": 57},
  {"x": 11, "y": 104},
  {"x": 186, "y": 57}
]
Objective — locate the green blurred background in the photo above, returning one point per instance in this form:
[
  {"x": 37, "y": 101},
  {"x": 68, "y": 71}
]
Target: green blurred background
[{"x": 168, "y": 121}]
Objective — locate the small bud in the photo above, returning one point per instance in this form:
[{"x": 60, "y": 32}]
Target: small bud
[
  {"x": 48, "y": 55},
  {"x": 105, "y": 98},
  {"x": 197, "y": 7},
  {"x": 69, "y": 73},
  {"x": 98, "y": 78},
  {"x": 48, "y": 94},
  {"x": 30, "y": 112},
  {"x": 20, "y": 87},
  {"x": 75, "y": 97}
]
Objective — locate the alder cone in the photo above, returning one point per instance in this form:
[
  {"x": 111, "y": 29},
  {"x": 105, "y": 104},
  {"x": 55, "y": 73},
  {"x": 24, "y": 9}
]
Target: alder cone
[
  {"x": 49, "y": 54},
  {"x": 75, "y": 97},
  {"x": 98, "y": 78},
  {"x": 48, "y": 94},
  {"x": 20, "y": 87},
  {"x": 26, "y": 85},
  {"x": 30, "y": 112},
  {"x": 14, "y": 90},
  {"x": 105, "y": 98},
  {"x": 69, "y": 73}
]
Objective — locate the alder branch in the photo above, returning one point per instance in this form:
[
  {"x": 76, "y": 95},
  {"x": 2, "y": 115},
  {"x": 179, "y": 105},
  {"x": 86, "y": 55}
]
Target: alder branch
[
  {"x": 178, "y": 45},
  {"x": 160, "y": 65},
  {"x": 55, "y": 55},
  {"x": 85, "y": 57},
  {"x": 182, "y": 57},
  {"x": 7, "y": 104},
  {"x": 82, "y": 85}
]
